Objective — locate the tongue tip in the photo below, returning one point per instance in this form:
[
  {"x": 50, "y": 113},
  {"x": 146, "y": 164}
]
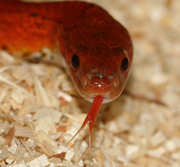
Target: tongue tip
[{"x": 97, "y": 102}]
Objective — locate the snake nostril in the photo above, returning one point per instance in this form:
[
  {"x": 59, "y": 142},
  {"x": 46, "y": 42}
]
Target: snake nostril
[
  {"x": 116, "y": 83},
  {"x": 98, "y": 79},
  {"x": 85, "y": 81},
  {"x": 89, "y": 76},
  {"x": 110, "y": 77}
]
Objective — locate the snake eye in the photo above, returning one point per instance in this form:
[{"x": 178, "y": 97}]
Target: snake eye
[
  {"x": 75, "y": 61},
  {"x": 124, "y": 64}
]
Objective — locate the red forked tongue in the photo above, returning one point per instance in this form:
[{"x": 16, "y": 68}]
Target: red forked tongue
[{"x": 91, "y": 115}]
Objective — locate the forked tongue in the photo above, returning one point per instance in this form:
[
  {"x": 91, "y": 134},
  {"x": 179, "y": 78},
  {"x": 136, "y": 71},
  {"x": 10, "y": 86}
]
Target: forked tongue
[{"x": 91, "y": 116}]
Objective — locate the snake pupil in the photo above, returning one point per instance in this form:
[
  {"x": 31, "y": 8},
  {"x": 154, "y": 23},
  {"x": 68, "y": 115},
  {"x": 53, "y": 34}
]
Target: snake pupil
[
  {"x": 124, "y": 64},
  {"x": 75, "y": 61}
]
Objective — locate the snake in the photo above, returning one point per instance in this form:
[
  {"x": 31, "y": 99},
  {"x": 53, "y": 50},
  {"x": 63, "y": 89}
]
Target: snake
[{"x": 94, "y": 48}]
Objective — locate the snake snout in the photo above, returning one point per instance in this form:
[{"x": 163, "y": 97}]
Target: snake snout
[{"x": 100, "y": 82}]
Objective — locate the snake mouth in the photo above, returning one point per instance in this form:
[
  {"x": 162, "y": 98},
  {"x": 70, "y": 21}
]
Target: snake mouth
[
  {"x": 108, "y": 89},
  {"x": 105, "y": 100},
  {"x": 107, "y": 96}
]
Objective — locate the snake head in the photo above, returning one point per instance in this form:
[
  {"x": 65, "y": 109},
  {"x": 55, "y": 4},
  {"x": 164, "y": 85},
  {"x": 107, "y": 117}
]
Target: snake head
[{"x": 100, "y": 71}]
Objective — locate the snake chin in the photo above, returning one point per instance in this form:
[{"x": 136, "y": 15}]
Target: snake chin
[{"x": 105, "y": 100}]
